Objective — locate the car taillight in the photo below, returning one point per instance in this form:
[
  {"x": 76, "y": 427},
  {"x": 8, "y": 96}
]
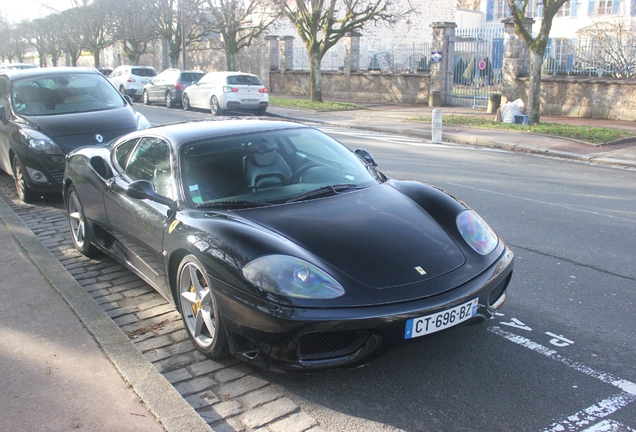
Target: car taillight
[
  {"x": 130, "y": 80},
  {"x": 263, "y": 90},
  {"x": 228, "y": 89},
  {"x": 178, "y": 86}
]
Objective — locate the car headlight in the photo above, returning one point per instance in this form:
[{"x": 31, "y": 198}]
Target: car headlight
[
  {"x": 40, "y": 143},
  {"x": 476, "y": 232},
  {"x": 142, "y": 122},
  {"x": 292, "y": 277}
]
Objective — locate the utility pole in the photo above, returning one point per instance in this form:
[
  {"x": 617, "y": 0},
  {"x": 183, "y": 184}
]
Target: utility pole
[{"x": 183, "y": 35}]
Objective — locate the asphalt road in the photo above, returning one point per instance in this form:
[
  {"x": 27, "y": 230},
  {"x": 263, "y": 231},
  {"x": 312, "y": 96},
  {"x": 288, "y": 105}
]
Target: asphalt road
[{"x": 562, "y": 354}]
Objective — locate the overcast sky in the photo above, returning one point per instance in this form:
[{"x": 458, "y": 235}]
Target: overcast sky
[{"x": 18, "y": 10}]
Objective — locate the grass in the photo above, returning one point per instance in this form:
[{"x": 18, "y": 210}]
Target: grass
[
  {"x": 314, "y": 106},
  {"x": 594, "y": 135}
]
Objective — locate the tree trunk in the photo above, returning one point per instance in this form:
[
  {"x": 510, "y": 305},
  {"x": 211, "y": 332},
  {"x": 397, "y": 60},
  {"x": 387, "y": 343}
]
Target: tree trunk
[
  {"x": 96, "y": 60},
  {"x": 534, "y": 90},
  {"x": 315, "y": 78}
]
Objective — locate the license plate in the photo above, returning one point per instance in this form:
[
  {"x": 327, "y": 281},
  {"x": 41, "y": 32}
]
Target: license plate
[
  {"x": 428, "y": 324},
  {"x": 249, "y": 100}
]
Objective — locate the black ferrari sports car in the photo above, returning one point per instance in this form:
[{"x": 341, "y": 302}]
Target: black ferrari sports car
[{"x": 281, "y": 246}]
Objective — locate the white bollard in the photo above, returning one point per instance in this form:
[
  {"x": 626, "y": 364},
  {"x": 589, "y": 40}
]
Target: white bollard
[{"x": 436, "y": 126}]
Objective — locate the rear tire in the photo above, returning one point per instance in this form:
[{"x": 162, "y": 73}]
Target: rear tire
[
  {"x": 146, "y": 98},
  {"x": 185, "y": 102},
  {"x": 24, "y": 192},
  {"x": 169, "y": 100},
  {"x": 215, "y": 108}
]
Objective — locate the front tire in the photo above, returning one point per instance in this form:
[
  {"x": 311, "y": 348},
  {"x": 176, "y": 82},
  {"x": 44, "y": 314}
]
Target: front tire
[
  {"x": 169, "y": 100},
  {"x": 199, "y": 310},
  {"x": 146, "y": 98},
  {"x": 80, "y": 230},
  {"x": 215, "y": 108},
  {"x": 185, "y": 101},
  {"x": 24, "y": 192}
]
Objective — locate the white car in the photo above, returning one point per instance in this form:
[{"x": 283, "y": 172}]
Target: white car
[
  {"x": 227, "y": 91},
  {"x": 130, "y": 80}
]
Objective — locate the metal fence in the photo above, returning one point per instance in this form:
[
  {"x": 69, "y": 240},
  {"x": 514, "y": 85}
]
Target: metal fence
[
  {"x": 615, "y": 57},
  {"x": 477, "y": 65},
  {"x": 413, "y": 57}
]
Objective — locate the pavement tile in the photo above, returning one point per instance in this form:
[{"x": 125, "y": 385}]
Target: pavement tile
[
  {"x": 262, "y": 396},
  {"x": 299, "y": 422},
  {"x": 240, "y": 387},
  {"x": 269, "y": 412},
  {"x": 194, "y": 385}
]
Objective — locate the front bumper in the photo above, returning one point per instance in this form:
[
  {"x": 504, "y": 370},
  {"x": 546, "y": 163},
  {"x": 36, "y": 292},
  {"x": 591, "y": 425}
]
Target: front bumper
[
  {"x": 50, "y": 167},
  {"x": 283, "y": 338}
]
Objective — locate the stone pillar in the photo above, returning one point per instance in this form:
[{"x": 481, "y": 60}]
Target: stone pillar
[
  {"x": 351, "y": 52},
  {"x": 269, "y": 60},
  {"x": 515, "y": 60},
  {"x": 286, "y": 53},
  {"x": 442, "y": 71}
]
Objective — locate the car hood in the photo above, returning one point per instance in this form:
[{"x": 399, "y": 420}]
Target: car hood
[
  {"x": 70, "y": 131},
  {"x": 376, "y": 236}
]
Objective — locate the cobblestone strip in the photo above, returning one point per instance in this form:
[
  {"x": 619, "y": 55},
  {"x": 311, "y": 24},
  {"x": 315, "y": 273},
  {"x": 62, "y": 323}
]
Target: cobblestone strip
[{"x": 228, "y": 394}]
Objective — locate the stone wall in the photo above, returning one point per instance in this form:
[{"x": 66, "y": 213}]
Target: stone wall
[{"x": 363, "y": 86}]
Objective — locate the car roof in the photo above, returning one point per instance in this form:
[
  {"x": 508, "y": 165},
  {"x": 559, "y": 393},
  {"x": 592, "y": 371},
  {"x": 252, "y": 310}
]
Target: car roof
[
  {"x": 44, "y": 72},
  {"x": 227, "y": 73},
  {"x": 183, "y": 133}
]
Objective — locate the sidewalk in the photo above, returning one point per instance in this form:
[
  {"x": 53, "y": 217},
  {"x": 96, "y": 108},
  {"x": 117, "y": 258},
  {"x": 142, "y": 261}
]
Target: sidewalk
[
  {"x": 62, "y": 358},
  {"x": 393, "y": 118}
]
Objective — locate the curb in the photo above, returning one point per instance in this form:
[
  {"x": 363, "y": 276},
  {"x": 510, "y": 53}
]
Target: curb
[{"x": 157, "y": 393}]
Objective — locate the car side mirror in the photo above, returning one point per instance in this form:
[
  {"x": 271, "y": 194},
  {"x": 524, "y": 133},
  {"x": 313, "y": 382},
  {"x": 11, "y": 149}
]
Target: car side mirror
[
  {"x": 128, "y": 100},
  {"x": 143, "y": 189},
  {"x": 3, "y": 115},
  {"x": 367, "y": 157}
]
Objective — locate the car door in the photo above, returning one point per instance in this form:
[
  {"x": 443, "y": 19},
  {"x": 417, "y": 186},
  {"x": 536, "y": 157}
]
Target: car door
[
  {"x": 199, "y": 93},
  {"x": 139, "y": 225}
]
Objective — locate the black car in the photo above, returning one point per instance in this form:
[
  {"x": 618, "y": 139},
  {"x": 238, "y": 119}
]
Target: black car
[
  {"x": 168, "y": 86},
  {"x": 280, "y": 245},
  {"x": 47, "y": 112}
]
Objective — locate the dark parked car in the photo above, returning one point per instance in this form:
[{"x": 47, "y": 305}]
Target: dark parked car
[
  {"x": 168, "y": 86},
  {"x": 105, "y": 71},
  {"x": 47, "y": 112},
  {"x": 280, "y": 245}
]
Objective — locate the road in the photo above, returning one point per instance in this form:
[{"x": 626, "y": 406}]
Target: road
[{"x": 562, "y": 353}]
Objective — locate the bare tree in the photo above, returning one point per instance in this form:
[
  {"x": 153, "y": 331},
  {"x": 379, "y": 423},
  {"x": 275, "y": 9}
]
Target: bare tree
[
  {"x": 180, "y": 21},
  {"x": 72, "y": 37},
  {"x": 136, "y": 26},
  {"x": 239, "y": 22},
  {"x": 536, "y": 47},
  {"x": 323, "y": 23},
  {"x": 613, "y": 46},
  {"x": 97, "y": 25},
  {"x": 15, "y": 42},
  {"x": 37, "y": 35}
]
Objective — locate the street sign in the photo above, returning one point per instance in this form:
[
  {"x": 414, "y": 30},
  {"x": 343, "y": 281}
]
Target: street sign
[
  {"x": 482, "y": 65},
  {"x": 436, "y": 56}
]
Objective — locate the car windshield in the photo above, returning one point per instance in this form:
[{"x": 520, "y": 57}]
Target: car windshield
[
  {"x": 144, "y": 72},
  {"x": 271, "y": 167},
  {"x": 64, "y": 93}
]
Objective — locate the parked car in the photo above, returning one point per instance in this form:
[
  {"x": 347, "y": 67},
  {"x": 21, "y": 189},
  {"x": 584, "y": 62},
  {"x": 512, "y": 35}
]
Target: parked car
[
  {"x": 227, "y": 91},
  {"x": 17, "y": 66},
  {"x": 105, "y": 71},
  {"x": 47, "y": 112},
  {"x": 168, "y": 86},
  {"x": 280, "y": 245},
  {"x": 130, "y": 80}
]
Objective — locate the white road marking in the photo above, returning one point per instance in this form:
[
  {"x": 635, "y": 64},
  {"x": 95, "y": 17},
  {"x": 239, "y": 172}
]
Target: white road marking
[
  {"x": 609, "y": 426},
  {"x": 624, "y": 385},
  {"x": 590, "y": 414},
  {"x": 395, "y": 139},
  {"x": 593, "y": 413}
]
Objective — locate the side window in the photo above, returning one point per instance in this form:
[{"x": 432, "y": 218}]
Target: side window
[
  {"x": 122, "y": 153},
  {"x": 151, "y": 161},
  {"x": 4, "y": 94}
]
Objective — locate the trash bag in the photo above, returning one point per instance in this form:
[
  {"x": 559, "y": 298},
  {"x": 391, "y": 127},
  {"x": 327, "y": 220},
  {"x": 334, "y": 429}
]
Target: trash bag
[{"x": 510, "y": 110}]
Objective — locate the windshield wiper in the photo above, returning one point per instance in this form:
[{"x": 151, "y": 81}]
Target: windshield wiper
[
  {"x": 324, "y": 191},
  {"x": 232, "y": 203}
]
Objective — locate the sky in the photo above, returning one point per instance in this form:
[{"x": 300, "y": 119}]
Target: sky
[{"x": 18, "y": 10}]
